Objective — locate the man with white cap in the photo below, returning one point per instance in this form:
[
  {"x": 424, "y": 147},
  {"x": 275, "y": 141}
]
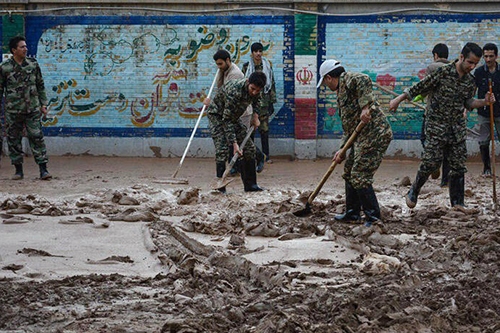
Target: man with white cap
[{"x": 356, "y": 102}]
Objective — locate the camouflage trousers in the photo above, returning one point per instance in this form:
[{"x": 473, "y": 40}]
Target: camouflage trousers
[
  {"x": 15, "y": 124},
  {"x": 364, "y": 159},
  {"x": 264, "y": 123},
  {"x": 222, "y": 144},
  {"x": 436, "y": 144}
]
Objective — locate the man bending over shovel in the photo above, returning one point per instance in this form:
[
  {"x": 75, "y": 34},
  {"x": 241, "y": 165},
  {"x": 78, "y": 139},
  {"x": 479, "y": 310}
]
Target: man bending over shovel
[
  {"x": 226, "y": 127},
  {"x": 356, "y": 103}
]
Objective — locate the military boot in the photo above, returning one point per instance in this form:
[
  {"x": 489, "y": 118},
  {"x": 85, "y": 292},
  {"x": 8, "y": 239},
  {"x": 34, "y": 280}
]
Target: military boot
[
  {"x": 457, "y": 190},
  {"x": 485, "y": 156},
  {"x": 370, "y": 205},
  {"x": 44, "y": 173},
  {"x": 352, "y": 205},
  {"x": 249, "y": 176},
  {"x": 19, "y": 172},
  {"x": 260, "y": 158},
  {"x": 412, "y": 196}
]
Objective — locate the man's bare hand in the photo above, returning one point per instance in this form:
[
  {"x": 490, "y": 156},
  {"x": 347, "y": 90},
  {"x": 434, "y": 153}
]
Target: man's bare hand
[
  {"x": 394, "y": 103},
  {"x": 338, "y": 157},
  {"x": 236, "y": 149},
  {"x": 489, "y": 98},
  {"x": 365, "y": 115}
]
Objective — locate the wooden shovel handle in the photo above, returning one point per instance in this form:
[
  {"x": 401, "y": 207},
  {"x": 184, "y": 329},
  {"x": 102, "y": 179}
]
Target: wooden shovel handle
[
  {"x": 347, "y": 145},
  {"x": 492, "y": 134}
]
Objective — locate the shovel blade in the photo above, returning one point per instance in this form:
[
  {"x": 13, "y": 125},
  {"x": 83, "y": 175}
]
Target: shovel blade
[
  {"x": 304, "y": 211},
  {"x": 220, "y": 183}
]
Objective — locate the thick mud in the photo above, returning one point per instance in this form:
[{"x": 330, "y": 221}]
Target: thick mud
[{"x": 430, "y": 269}]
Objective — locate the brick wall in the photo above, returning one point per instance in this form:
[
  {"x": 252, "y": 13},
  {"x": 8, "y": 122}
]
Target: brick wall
[{"x": 146, "y": 76}]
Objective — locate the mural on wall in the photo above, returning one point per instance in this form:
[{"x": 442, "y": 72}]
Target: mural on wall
[
  {"x": 143, "y": 75},
  {"x": 394, "y": 52}
]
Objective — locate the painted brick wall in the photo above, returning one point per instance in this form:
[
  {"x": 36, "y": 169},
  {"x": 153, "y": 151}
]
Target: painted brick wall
[
  {"x": 146, "y": 76},
  {"x": 394, "y": 51}
]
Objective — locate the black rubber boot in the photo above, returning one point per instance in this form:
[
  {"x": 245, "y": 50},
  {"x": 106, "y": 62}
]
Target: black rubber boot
[
  {"x": 249, "y": 176},
  {"x": 446, "y": 171},
  {"x": 44, "y": 173},
  {"x": 220, "y": 168},
  {"x": 412, "y": 196},
  {"x": 352, "y": 205},
  {"x": 457, "y": 190},
  {"x": 19, "y": 172},
  {"x": 260, "y": 159},
  {"x": 485, "y": 156},
  {"x": 264, "y": 139},
  {"x": 370, "y": 205}
]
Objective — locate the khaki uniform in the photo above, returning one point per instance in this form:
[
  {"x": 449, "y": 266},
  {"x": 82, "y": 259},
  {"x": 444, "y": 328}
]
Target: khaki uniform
[
  {"x": 365, "y": 156},
  {"x": 224, "y": 112}
]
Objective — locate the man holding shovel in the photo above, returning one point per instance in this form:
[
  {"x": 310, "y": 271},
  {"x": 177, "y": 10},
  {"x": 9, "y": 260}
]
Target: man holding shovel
[
  {"x": 489, "y": 71},
  {"x": 452, "y": 88},
  {"x": 229, "y": 71},
  {"x": 356, "y": 103},
  {"x": 226, "y": 127}
]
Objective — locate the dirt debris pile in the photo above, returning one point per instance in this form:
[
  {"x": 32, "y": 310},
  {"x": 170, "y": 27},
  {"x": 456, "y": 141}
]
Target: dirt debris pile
[{"x": 430, "y": 269}]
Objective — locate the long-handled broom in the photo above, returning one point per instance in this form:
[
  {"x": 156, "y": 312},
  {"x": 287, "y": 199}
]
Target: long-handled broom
[{"x": 174, "y": 180}]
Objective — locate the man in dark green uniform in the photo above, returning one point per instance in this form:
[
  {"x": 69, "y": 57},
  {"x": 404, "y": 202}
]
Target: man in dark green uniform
[
  {"x": 25, "y": 101},
  {"x": 453, "y": 89},
  {"x": 356, "y": 103},
  {"x": 226, "y": 127}
]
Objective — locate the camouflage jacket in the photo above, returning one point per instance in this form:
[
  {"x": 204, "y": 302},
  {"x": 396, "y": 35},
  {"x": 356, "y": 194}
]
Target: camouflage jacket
[
  {"x": 450, "y": 95},
  {"x": 230, "y": 102},
  {"x": 267, "y": 99},
  {"x": 354, "y": 93},
  {"x": 22, "y": 85}
]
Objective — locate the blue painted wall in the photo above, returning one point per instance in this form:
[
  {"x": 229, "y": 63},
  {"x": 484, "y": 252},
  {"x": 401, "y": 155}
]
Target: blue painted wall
[{"x": 148, "y": 76}]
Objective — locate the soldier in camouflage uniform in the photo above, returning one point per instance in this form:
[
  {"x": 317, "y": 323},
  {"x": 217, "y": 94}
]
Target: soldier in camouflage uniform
[
  {"x": 258, "y": 63},
  {"x": 453, "y": 89},
  {"x": 356, "y": 103},
  {"x": 25, "y": 101},
  {"x": 226, "y": 128}
]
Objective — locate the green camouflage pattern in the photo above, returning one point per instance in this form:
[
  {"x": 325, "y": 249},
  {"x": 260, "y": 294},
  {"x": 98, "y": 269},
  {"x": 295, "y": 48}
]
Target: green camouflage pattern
[
  {"x": 16, "y": 122},
  {"x": 224, "y": 113},
  {"x": 446, "y": 127},
  {"x": 267, "y": 101},
  {"x": 24, "y": 91},
  {"x": 364, "y": 158},
  {"x": 22, "y": 85}
]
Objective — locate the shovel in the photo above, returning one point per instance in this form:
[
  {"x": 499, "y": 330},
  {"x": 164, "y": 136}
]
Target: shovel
[
  {"x": 307, "y": 210},
  {"x": 492, "y": 135},
  {"x": 224, "y": 181}
]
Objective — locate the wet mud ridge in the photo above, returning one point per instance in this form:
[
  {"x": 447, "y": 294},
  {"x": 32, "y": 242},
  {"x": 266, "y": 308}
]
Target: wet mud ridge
[{"x": 244, "y": 262}]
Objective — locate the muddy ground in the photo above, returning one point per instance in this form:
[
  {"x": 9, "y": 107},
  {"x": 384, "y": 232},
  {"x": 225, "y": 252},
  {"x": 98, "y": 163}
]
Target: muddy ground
[{"x": 242, "y": 262}]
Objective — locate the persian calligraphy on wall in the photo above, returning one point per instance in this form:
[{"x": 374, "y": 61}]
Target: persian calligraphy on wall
[{"x": 141, "y": 75}]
